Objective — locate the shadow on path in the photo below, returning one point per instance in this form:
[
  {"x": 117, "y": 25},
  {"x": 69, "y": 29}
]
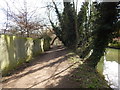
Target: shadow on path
[
  {"x": 53, "y": 75},
  {"x": 84, "y": 77},
  {"x": 53, "y": 53},
  {"x": 52, "y": 69}
]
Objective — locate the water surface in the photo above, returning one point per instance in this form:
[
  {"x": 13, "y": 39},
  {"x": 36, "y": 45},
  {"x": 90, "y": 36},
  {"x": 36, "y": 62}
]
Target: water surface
[{"x": 109, "y": 65}]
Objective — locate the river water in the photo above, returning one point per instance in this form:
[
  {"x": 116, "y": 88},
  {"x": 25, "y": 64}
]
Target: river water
[{"x": 109, "y": 65}]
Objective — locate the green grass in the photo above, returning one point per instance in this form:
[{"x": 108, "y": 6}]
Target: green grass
[
  {"x": 113, "y": 55},
  {"x": 86, "y": 76},
  {"x": 89, "y": 78},
  {"x": 114, "y": 45}
]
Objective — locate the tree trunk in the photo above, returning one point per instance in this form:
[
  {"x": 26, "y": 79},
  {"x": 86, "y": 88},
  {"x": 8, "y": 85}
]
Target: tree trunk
[
  {"x": 94, "y": 58},
  {"x": 53, "y": 40},
  {"x": 104, "y": 31}
]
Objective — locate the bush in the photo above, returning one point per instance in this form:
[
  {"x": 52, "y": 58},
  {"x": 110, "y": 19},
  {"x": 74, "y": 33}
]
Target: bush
[{"x": 114, "y": 44}]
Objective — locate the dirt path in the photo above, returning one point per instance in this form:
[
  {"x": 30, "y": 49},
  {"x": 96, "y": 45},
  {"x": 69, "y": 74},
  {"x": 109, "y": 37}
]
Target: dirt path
[{"x": 46, "y": 71}]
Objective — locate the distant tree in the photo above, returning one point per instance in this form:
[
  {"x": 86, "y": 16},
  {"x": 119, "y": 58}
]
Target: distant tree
[{"x": 23, "y": 20}]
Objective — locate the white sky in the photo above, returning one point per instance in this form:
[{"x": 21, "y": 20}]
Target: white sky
[{"x": 37, "y": 5}]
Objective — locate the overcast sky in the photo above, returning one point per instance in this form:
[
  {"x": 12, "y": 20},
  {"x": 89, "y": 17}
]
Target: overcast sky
[
  {"x": 16, "y": 5},
  {"x": 37, "y": 5}
]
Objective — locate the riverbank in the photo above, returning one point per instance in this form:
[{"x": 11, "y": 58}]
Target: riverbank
[{"x": 87, "y": 76}]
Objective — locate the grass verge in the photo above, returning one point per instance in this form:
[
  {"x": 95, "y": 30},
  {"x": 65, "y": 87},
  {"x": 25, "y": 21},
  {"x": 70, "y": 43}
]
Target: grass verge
[{"x": 86, "y": 76}]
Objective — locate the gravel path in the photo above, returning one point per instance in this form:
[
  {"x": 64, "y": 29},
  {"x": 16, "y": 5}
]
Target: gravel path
[{"x": 46, "y": 71}]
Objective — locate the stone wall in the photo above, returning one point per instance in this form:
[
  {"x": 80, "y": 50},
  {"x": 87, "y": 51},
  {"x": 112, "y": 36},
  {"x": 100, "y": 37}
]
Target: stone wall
[{"x": 16, "y": 50}]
